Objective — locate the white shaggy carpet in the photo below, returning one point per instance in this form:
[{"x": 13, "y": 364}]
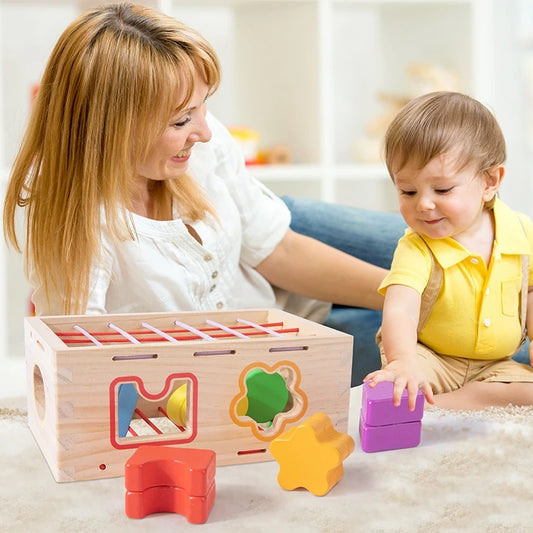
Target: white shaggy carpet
[{"x": 473, "y": 472}]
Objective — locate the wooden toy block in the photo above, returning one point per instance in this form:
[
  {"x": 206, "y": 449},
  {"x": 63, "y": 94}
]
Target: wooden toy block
[
  {"x": 390, "y": 436},
  {"x": 195, "y": 365},
  {"x": 266, "y": 396},
  {"x": 127, "y": 402},
  {"x": 378, "y": 409},
  {"x": 383, "y": 426},
  {"x": 169, "y": 500},
  {"x": 166, "y": 479},
  {"x": 177, "y": 406},
  {"x": 311, "y": 455}
]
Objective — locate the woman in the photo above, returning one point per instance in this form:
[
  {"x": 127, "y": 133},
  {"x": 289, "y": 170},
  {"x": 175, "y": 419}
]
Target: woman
[{"x": 137, "y": 199}]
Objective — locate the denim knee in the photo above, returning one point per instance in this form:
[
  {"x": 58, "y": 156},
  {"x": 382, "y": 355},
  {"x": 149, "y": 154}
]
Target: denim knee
[{"x": 363, "y": 324}]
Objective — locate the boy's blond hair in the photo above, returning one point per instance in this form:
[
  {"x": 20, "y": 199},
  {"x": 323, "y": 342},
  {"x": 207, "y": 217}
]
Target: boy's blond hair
[
  {"x": 108, "y": 91},
  {"x": 441, "y": 122}
]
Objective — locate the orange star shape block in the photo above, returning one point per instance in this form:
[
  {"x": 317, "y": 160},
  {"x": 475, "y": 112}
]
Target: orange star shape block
[{"x": 310, "y": 455}]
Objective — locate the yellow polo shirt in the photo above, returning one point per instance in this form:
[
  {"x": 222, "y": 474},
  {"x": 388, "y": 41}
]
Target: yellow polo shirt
[{"x": 476, "y": 314}]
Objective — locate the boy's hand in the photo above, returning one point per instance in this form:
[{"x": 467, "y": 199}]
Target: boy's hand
[
  {"x": 530, "y": 349},
  {"x": 404, "y": 375}
]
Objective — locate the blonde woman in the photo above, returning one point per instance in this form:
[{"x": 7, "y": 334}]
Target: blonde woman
[{"x": 136, "y": 199}]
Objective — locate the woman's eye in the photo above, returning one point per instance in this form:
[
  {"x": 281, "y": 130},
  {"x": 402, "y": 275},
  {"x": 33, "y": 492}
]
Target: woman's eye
[
  {"x": 407, "y": 193},
  {"x": 182, "y": 123},
  {"x": 443, "y": 191}
]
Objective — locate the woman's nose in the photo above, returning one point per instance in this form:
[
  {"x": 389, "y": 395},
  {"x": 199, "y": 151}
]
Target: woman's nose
[{"x": 202, "y": 132}]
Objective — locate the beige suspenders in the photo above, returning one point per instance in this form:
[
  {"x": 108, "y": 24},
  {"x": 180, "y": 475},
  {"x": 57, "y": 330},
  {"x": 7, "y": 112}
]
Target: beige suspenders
[{"x": 431, "y": 292}]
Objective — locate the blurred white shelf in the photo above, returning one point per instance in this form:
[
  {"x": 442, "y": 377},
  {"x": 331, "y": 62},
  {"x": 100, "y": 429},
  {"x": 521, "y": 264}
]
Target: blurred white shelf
[
  {"x": 375, "y": 171},
  {"x": 4, "y": 177},
  {"x": 285, "y": 172},
  {"x": 268, "y": 173}
]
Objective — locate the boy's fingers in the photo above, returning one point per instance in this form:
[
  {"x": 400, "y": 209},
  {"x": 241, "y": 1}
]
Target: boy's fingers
[
  {"x": 412, "y": 393},
  {"x": 378, "y": 376},
  {"x": 397, "y": 391},
  {"x": 428, "y": 393}
]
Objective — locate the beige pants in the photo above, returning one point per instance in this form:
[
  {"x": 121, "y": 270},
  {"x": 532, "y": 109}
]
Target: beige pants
[{"x": 446, "y": 373}]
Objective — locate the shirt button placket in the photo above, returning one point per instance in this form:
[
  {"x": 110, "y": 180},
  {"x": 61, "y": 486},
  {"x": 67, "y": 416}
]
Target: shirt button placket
[{"x": 214, "y": 274}]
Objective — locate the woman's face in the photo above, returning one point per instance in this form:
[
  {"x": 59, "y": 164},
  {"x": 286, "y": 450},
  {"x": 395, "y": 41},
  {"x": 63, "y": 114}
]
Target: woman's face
[{"x": 169, "y": 155}]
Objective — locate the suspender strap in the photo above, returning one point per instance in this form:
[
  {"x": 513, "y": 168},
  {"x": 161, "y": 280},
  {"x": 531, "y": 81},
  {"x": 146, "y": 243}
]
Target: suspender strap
[
  {"x": 429, "y": 295},
  {"x": 523, "y": 296},
  {"x": 431, "y": 292},
  {"x": 524, "y": 259}
]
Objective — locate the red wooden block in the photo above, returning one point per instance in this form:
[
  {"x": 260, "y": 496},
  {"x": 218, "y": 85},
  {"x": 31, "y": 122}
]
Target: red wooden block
[
  {"x": 165, "y": 479},
  {"x": 170, "y": 499}
]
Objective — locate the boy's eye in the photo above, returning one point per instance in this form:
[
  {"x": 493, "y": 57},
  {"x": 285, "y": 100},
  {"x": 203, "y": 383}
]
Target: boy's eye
[
  {"x": 443, "y": 191},
  {"x": 407, "y": 193}
]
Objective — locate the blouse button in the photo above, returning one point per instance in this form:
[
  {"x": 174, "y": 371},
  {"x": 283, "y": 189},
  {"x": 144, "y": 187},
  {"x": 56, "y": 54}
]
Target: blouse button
[
  {"x": 208, "y": 257},
  {"x": 486, "y": 322},
  {"x": 220, "y": 305},
  {"x": 214, "y": 274}
]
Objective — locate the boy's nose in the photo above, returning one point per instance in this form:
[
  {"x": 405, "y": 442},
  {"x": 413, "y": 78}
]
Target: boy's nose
[{"x": 425, "y": 203}]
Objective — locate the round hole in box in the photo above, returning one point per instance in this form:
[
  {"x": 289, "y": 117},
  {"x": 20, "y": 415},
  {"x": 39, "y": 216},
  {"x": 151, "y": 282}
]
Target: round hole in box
[{"x": 38, "y": 392}]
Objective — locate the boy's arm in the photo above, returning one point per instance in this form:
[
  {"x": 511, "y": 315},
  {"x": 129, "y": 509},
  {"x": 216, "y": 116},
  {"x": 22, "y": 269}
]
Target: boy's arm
[
  {"x": 529, "y": 322},
  {"x": 399, "y": 332}
]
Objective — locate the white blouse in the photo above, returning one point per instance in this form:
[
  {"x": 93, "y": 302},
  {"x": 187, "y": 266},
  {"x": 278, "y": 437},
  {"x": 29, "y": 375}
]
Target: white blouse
[{"x": 166, "y": 269}]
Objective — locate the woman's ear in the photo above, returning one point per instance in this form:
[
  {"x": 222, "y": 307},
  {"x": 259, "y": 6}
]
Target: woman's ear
[{"x": 493, "y": 180}]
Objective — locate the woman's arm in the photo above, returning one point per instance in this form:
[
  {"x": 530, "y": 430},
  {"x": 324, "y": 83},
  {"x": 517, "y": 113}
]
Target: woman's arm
[{"x": 308, "y": 267}]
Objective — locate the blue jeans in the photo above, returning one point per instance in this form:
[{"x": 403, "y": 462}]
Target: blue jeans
[{"x": 370, "y": 236}]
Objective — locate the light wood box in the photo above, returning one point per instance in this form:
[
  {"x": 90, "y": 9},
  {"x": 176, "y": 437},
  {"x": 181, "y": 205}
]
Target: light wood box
[{"x": 73, "y": 383}]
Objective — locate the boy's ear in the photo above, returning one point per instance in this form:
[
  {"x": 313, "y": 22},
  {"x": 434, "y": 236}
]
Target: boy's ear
[{"x": 493, "y": 180}]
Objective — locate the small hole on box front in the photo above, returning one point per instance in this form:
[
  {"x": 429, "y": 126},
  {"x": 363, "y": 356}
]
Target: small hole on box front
[
  {"x": 134, "y": 357},
  {"x": 250, "y": 452},
  {"x": 288, "y": 348},
  {"x": 102, "y": 466},
  {"x": 39, "y": 393},
  {"x": 215, "y": 352}
]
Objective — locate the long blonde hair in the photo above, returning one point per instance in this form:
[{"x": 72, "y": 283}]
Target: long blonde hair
[{"x": 107, "y": 93}]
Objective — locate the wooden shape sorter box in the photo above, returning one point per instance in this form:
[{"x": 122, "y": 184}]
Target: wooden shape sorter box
[{"x": 76, "y": 366}]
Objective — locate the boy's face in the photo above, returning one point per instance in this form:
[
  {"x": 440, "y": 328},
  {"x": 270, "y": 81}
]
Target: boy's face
[{"x": 440, "y": 201}]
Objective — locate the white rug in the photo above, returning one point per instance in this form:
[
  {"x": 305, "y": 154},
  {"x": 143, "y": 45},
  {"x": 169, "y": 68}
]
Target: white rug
[{"x": 473, "y": 472}]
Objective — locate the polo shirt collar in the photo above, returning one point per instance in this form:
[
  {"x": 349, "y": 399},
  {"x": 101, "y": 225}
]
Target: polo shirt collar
[
  {"x": 511, "y": 235},
  {"x": 510, "y": 239}
]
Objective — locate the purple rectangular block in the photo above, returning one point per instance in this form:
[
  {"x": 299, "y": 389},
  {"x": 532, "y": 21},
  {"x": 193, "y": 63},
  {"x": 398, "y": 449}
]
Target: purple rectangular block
[
  {"x": 390, "y": 437},
  {"x": 378, "y": 410}
]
